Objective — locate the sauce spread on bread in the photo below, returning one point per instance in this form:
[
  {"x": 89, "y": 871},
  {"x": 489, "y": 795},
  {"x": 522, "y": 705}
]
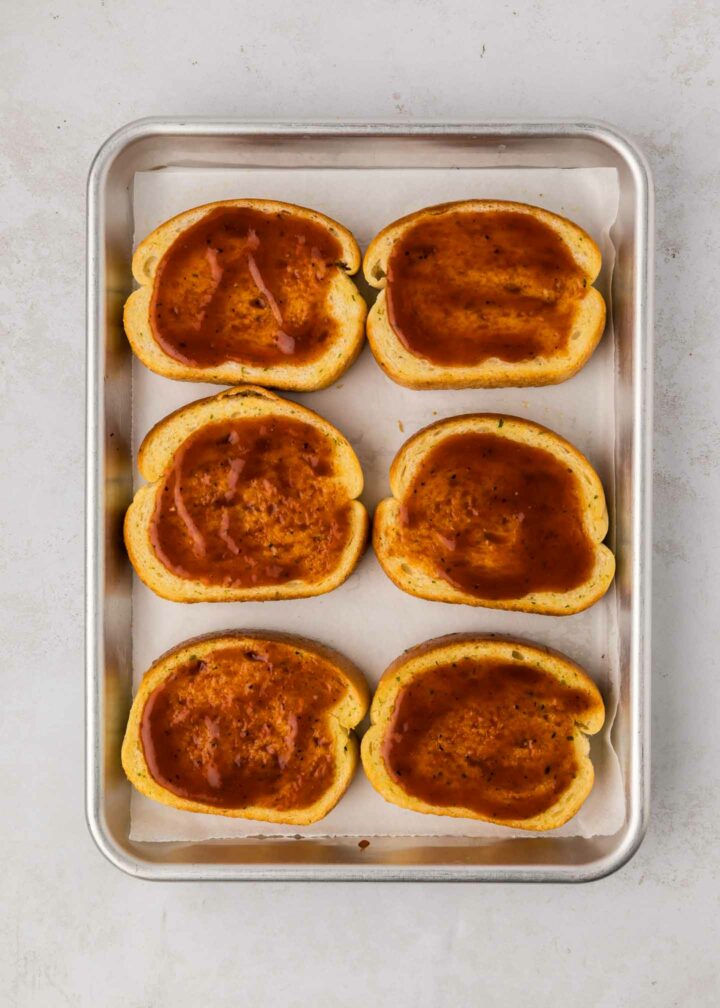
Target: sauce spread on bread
[
  {"x": 244, "y": 726},
  {"x": 496, "y": 518},
  {"x": 463, "y": 287},
  {"x": 247, "y": 286},
  {"x": 252, "y": 501},
  {"x": 495, "y": 738}
]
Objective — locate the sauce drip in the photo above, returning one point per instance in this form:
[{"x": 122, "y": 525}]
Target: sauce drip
[
  {"x": 496, "y": 518},
  {"x": 491, "y": 737},
  {"x": 251, "y": 502},
  {"x": 465, "y": 287},
  {"x": 244, "y": 727},
  {"x": 246, "y": 286}
]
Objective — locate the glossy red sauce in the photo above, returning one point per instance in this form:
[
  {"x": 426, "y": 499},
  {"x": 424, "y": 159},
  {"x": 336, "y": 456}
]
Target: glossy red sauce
[
  {"x": 247, "y": 286},
  {"x": 496, "y": 518},
  {"x": 463, "y": 287},
  {"x": 244, "y": 726},
  {"x": 495, "y": 738},
  {"x": 251, "y": 502}
]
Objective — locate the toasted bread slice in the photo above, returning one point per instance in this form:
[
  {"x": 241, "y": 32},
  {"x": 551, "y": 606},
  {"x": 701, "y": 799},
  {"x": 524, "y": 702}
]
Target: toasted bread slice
[
  {"x": 252, "y": 725},
  {"x": 491, "y": 510},
  {"x": 249, "y": 497},
  {"x": 482, "y": 727},
  {"x": 223, "y": 313},
  {"x": 483, "y": 294}
]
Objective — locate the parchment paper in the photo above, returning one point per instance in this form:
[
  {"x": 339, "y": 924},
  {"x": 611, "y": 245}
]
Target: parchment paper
[{"x": 368, "y": 618}]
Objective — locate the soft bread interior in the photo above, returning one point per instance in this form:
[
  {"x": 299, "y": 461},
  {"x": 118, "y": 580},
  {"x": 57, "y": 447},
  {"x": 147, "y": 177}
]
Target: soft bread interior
[
  {"x": 453, "y": 648},
  {"x": 347, "y": 305},
  {"x": 156, "y": 455},
  {"x": 386, "y": 527},
  {"x": 412, "y": 371},
  {"x": 346, "y": 715}
]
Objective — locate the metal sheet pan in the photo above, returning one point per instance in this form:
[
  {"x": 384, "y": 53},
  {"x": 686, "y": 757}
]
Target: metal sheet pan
[{"x": 152, "y": 144}]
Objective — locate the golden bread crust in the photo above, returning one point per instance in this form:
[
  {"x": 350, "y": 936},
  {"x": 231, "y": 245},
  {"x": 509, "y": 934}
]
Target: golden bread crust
[
  {"x": 413, "y": 371},
  {"x": 386, "y": 525},
  {"x": 156, "y": 455},
  {"x": 483, "y": 647},
  {"x": 348, "y": 307}
]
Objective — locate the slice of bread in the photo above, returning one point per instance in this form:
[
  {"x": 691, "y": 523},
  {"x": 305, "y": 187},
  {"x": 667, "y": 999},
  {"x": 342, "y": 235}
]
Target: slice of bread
[
  {"x": 502, "y": 542},
  {"x": 252, "y": 311},
  {"x": 277, "y": 516},
  {"x": 247, "y": 724},
  {"x": 464, "y": 293},
  {"x": 483, "y": 727}
]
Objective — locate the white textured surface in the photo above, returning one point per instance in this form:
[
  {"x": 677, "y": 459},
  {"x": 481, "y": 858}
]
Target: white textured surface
[{"x": 74, "y": 930}]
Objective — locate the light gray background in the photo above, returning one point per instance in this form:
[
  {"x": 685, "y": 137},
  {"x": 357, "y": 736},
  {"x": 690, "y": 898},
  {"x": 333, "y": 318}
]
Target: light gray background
[{"x": 74, "y": 930}]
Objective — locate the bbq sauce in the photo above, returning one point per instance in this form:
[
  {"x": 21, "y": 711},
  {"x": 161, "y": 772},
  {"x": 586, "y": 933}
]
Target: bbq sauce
[
  {"x": 246, "y": 286},
  {"x": 495, "y": 738},
  {"x": 244, "y": 727},
  {"x": 251, "y": 502},
  {"x": 464, "y": 287},
  {"x": 496, "y": 518}
]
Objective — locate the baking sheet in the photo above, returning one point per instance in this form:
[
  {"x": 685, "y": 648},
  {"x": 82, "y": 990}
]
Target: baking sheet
[{"x": 367, "y": 618}]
